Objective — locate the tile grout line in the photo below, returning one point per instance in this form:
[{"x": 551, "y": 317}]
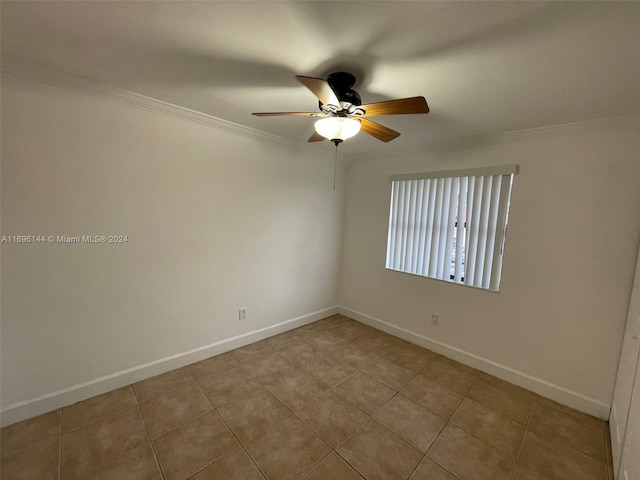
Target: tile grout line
[
  {"x": 341, "y": 395},
  {"x": 482, "y": 440},
  {"x": 195, "y": 418},
  {"x": 357, "y": 426},
  {"x": 371, "y": 418},
  {"x": 469, "y": 433},
  {"x": 214, "y": 373},
  {"x": 264, "y": 387},
  {"x": 369, "y": 415},
  {"x": 86, "y": 423},
  {"x": 171, "y": 390},
  {"x": 435, "y": 440},
  {"x": 485, "y": 441},
  {"x": 405, "y": 383},
  {"x": 558, "y": 407},
  {"x": 497, "y": 411},
  {"x": 306, "y": 370},
  {"x": 242, "y": 446},
  {"x": 213, "y": 409},
  {"x": 524, "y": 433},
  {"x": 571, "y": 447},
  {"x": 117, "y": 410},
  {"x": 424, "y": 455},
  {"x": 163, "y": 432},
  {"x": 347, "y": 462},
  {"x": 416, "y": 467},
  {"x": 149, "y": 438},
  {"x": 331, "y": 450},
  {"x": 303, "y": 369}
]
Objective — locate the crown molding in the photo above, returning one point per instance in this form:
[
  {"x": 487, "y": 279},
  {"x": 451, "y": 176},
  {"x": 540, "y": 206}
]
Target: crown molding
[
  {"x": 21, "y": 72},
  {"x": 624, "y": 122}
]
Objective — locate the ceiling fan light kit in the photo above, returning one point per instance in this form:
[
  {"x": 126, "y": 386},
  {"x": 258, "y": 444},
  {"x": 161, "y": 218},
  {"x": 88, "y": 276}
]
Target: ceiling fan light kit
[
  {"x": 337, "y": 128},
  {"x": 342, "y": 114}
]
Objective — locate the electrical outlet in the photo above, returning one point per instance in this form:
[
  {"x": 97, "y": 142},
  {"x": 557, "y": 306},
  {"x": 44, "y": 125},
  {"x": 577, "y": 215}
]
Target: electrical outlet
[
  {"x": 435, "y": 319},
  {"x": 242, "y": 314}
]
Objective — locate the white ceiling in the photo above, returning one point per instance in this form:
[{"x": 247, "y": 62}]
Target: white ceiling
[{"x": 484, "y": 67}]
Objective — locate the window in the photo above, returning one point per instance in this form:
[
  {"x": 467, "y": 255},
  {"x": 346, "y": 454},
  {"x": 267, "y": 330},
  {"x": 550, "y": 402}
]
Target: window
[{"x": 450, "y": 225}]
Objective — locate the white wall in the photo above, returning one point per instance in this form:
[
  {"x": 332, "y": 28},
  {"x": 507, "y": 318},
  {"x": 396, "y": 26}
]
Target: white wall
[
  {"x": 215, "y": 222},
  {"x": 557, "y": 324}
]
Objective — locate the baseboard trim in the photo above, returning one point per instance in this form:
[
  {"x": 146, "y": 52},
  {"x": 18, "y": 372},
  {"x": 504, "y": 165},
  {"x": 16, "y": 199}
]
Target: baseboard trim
[
  {"x": 543, "y": 388},
  {"x": 51, "y": 401}
]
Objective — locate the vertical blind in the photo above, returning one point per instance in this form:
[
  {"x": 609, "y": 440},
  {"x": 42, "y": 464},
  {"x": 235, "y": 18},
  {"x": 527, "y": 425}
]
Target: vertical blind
[{"x": 450, "y": 225}]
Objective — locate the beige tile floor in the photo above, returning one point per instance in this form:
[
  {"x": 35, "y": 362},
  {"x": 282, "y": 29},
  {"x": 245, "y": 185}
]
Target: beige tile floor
[{"x": 332, "y": 400}]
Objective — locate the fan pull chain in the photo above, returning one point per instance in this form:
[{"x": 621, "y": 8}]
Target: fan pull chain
[{"x": 335, "y": 167}]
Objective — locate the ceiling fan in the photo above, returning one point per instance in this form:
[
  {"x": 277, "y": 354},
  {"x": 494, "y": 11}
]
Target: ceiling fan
[{"x": 341, "y": 113}]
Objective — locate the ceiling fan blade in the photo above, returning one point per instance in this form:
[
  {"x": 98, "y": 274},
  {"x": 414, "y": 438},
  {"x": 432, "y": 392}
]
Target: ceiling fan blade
[
  {"x": 321, "y": 89},
  {"x": 284, "y": 114},
  {"x": 316, "y": 137},
  {"x": 401, "y": 106},
  {"x": 379, "y": 131}
]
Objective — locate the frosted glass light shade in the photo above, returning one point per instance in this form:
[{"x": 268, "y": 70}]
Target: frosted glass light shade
[{"x": 337, "y": 128}]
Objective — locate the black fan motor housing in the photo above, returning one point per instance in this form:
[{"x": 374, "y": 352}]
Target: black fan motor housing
[{"x": 341, "y": 83}]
